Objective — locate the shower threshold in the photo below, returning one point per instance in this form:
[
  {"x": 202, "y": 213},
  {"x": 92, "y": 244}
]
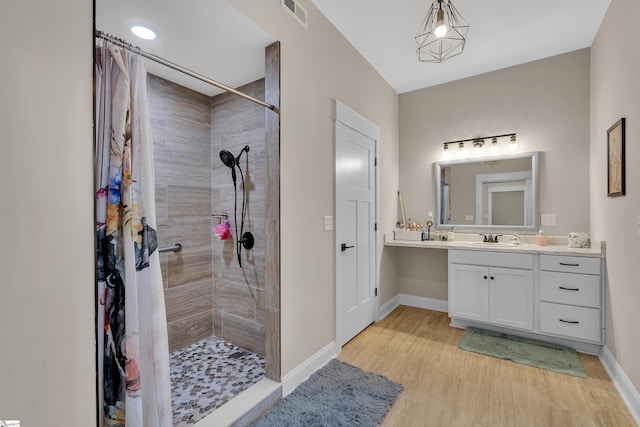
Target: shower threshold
[{"x": 208, "y": 374}]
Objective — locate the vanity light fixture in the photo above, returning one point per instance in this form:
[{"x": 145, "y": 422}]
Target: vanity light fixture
[
  {"x": 144, "y": 33},
  {"x": 442, "y": 34},
  {"x": 478, "y": 143}
]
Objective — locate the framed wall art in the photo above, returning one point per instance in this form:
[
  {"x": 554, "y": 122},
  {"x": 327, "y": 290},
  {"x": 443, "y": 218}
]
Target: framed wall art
[{"x": 615, "y": 159}]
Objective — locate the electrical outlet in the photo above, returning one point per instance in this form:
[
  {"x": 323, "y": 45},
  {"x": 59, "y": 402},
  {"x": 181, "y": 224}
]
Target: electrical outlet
[
  {"x": 548, "y": 220},
  {"x": 328, "y": 223},
  {"x": 468, "y": 217}
]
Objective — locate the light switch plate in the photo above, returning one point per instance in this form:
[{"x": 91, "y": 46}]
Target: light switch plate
[
  {"x": 548, "y": 220},
  {"x": 328, "y": 223}
]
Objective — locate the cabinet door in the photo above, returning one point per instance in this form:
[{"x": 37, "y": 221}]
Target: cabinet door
[
  {"x": 511, "y": 298},
  {"x": 469, "y": 292}
]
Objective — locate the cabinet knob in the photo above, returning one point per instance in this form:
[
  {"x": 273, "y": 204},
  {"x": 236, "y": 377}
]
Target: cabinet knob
[{"x": 484, "y": 277}]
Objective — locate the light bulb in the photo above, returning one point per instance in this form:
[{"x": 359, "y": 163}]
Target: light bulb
[
  {"x": 494, "y": 145},
  {"x": 513, "y": 145},
  {"x": 441, "y": 27}
]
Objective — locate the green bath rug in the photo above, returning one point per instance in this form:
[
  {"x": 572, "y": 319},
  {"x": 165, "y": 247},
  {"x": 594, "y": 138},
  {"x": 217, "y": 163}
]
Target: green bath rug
[{"x": 530, "y": 352}]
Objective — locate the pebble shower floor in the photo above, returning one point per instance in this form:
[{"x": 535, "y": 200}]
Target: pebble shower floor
[{"x": 207, "y": 374}]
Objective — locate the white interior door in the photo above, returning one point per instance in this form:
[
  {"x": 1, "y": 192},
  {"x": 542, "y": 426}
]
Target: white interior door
[{"x": 355, "y": 232}]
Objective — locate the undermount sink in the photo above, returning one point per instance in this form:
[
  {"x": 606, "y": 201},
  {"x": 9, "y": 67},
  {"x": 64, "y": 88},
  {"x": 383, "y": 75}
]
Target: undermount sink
[{"x": 492, "y": 245}]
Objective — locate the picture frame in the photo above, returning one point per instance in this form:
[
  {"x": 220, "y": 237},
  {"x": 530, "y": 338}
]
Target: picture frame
[{"x": 615, "y": 159}]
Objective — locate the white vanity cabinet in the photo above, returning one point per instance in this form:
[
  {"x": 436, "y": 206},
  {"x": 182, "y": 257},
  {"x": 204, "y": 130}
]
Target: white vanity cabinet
[
  {"x": 571, "y": 297},
  {"x": 557, "y": 298},
  {"x": 492, "y": 287}
]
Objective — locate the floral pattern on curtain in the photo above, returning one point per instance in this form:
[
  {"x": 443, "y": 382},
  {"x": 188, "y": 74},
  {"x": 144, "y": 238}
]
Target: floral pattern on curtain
[{"x": 133, "y": 354}]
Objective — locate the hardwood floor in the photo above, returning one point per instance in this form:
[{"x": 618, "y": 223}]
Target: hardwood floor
[{"x": 446, "y": 386}]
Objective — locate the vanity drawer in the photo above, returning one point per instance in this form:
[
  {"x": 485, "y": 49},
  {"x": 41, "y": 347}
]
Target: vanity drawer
[
  {"x": 568, "y": 288},
  {"x": 491, "y": 259},
  {"x": 570, "y": 264},
  {"x": 572, "y": 322}
]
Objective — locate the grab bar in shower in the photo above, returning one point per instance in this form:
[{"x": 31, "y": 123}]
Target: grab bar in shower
[{"x": 177, "y": 247}]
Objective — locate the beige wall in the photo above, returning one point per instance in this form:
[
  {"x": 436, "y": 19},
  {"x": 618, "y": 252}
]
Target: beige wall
[
  {"x": 318, "y": 65},
  {"x": 545, "y": 102},
  {"x": 615, "y": 85},
  {"x": 47, "y": 288}
]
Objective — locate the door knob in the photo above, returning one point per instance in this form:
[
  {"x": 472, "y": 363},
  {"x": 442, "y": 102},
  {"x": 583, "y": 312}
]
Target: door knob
[{"x": 344, "y": 247}]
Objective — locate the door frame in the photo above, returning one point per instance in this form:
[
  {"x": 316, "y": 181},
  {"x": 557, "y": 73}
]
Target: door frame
[{"x": 350, "y": 118}]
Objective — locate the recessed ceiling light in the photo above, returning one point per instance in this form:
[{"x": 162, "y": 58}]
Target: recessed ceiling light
[{"x": 143, "y": 32}]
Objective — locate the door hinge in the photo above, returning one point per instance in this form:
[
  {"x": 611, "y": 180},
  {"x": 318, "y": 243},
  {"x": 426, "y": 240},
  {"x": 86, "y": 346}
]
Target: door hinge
[{"x": 376, "y": 293}]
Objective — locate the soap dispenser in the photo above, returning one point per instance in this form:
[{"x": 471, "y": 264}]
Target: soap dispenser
[
  {"x": 515, "y": 239},
  {"x": 541, "y": 238}
]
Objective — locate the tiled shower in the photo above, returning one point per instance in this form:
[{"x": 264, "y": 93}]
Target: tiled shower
[{"x": 206, "y": 292}]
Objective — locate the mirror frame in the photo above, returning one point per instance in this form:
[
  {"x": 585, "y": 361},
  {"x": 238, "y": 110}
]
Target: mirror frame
[{"x": 535, "y": 192}]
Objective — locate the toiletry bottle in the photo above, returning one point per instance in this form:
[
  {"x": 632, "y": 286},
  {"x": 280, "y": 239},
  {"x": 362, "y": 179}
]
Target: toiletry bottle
[
  {"x": 515, "y": 239},
  {"x": 541, "y": 238}
]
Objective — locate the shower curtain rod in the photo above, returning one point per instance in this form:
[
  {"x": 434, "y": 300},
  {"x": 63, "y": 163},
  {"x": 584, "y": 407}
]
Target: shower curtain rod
[{"x": 159, "y": 60}]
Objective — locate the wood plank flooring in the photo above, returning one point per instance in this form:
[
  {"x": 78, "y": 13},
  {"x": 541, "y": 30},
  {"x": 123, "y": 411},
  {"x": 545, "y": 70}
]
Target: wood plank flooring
[{"x": 446, "y": 386}]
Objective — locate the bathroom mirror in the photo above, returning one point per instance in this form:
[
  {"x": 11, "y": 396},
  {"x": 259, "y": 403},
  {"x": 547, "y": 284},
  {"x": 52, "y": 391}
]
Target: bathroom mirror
[{"x": 498, "y": 193}]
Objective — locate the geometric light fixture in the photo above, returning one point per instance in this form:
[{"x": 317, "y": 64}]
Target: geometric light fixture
[{"x": 442, "y": 34}]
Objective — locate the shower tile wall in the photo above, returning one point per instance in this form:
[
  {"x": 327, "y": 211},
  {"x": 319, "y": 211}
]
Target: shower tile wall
[
  {"x": 239, "y": 294},
  {"x": 206, "y": 293},
  {"x": 181, "y": 129}
]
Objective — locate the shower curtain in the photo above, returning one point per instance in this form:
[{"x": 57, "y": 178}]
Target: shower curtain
[{"x": 133, "y": 355}]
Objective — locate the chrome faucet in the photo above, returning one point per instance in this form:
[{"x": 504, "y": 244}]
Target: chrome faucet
[{"x": 489, "y": 238}]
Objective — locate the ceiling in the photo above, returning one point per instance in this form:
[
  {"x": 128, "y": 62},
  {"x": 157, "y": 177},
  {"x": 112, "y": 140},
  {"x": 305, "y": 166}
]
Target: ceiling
[
  {"x": 209, "y": 37},
  {"x": 502, "y": 33},
  {"x": 213, "y": 38}
]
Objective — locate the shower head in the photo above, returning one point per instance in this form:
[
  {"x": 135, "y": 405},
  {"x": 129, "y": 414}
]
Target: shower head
[
  {"x": 230, "y": 162},
  {"x": 228, "y": 159}
]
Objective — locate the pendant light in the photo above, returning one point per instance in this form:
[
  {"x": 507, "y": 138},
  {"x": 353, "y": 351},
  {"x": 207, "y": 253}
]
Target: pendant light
[{"x": 442, "y": 34}]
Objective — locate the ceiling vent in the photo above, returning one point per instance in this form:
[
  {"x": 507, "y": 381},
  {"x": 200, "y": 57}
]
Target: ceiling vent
[{"x": 294, "y": 8}]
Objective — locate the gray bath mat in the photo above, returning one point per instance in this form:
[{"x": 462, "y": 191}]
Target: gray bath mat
[
  {"x": 530, "y": 352},
  {"x": 339, "y": 394}
]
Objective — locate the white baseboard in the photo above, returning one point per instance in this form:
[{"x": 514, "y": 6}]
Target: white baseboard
[
  {"x": 388, "y": 307},
  {"x": 412, "y": 301},
  {"x": 626, "y": 389},
  {"x": 426, "y": 303},
  {"x": 296, "y": 377}
]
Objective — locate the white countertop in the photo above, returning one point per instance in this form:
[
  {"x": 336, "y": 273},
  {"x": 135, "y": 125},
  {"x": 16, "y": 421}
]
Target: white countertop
[{"x": 473, "y": 243}]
